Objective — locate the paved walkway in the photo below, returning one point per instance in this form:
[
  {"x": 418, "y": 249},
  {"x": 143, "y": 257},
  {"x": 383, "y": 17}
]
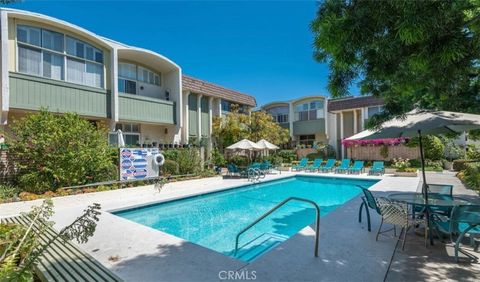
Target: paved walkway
[
  {"x": 435, "y": 263},
  {"x": 138, "y": 253}
]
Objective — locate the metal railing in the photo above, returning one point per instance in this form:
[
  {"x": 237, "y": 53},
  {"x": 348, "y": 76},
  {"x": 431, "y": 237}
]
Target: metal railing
[
  {"x": 253, "y": 175},
  {"x": 317, "y": 223}
]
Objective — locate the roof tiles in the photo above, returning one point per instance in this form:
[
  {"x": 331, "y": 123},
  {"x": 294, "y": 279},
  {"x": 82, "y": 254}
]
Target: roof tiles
[{"x": 206, "y": 88}]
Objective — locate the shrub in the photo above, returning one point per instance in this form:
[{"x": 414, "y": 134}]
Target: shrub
[
  {"x": 8, "y": 191},
  {"x": 435, "y": 165},
  {"x": 314, "y": 156},
  {"x": 472, "y": 175},
  {"x": 169, "y": 167},
  {"x": 170, "y": 154},
  {"x": 52, "y": 151},
  {"x": 189, "y": 161},
  {"x": 239, "y": 160},
  {"x": 217, "y": 158},
  {"x": 433, "y": 147},
  {"x": 452, "y": 150},
  {"x": 473, "y": 152},
  {"x": 459, "y": 165},
  {"x": 287, "y": 156},
  {"x": 401, "y": 164}
]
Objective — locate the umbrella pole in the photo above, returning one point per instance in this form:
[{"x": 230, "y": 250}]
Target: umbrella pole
[{"x": 425, "y": 188}]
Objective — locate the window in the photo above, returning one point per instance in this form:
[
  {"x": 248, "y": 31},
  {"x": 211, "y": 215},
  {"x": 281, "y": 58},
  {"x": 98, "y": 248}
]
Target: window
[
  {"x": 127, "y": 71},
  {"x": 279, "y": 114},
  {"x": 75, "y": 70},
  {"x": 29, "y": 35},
  {"x": 94, "y": 75},
  {"x": 309, "y": 111},
  {"x": 52, "y": 66},
  {"x": 130, "y": 132},
  {"x": 44, "y": 53},
  {"x": 29, "y": 60},
  {"x": 226, "y": 106},
  {"x": 127, "y": 86},
  {"x": 306, "y": 139},
  {"x": 130, "y": 74},
  {"x": 52, "y": 40},
  {"x": 374, "y": 110}
]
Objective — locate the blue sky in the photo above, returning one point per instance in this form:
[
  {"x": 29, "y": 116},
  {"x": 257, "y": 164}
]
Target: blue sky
[{"x": 260, "y": 48}]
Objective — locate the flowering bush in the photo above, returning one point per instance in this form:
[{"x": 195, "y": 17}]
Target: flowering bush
[
  {"x": 375, "y": 142},
  {"x": 400, "y": 164}
]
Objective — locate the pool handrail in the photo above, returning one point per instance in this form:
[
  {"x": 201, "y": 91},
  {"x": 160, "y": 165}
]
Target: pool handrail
[{"x": 317, "y": 223}]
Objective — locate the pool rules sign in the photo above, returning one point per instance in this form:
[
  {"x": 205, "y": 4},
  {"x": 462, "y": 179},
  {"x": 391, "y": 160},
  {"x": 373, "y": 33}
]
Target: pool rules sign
[{"x": 137, "y": 163}]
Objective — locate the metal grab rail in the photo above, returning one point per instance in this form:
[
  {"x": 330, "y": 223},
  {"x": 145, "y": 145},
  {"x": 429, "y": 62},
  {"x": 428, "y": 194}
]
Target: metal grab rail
[
  {"x": 253, "y": 174},
  {"x": 317, "y": 224}
]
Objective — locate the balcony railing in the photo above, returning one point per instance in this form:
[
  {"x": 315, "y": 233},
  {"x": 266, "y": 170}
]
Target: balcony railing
[{"x": 146, "y": 109}]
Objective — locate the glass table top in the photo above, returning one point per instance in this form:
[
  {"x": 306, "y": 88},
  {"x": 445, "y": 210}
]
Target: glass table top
[{"x": 434, "y": 199}]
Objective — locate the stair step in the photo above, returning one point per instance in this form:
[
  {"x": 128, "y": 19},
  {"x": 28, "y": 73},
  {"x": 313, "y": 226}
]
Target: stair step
[{"x": 261, "y": 244}]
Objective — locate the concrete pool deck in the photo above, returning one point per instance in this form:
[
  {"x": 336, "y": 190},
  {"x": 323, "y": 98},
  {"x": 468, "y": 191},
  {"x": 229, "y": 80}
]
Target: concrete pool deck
[{"x": 139, "y": 253}]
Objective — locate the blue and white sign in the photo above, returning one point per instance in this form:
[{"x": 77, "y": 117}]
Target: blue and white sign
[{"x": 138, "y": 163}]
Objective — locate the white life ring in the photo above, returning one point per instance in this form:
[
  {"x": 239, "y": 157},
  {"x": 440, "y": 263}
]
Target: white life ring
[{"x": 158, "y": 159}]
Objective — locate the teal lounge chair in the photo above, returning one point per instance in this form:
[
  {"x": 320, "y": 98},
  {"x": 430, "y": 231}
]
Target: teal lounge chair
[
  {"x": 377, "y": 168},
  {"x": 344, "y": 166},
  {"x": 463, "y": 220},
  {"x": 233, "y": 170},
  {"x": 328, "y": 166},
  {"x": 301, "y": 166},
  {"x": 356, "y": 168},
  {"x": 315, "y": 166}
]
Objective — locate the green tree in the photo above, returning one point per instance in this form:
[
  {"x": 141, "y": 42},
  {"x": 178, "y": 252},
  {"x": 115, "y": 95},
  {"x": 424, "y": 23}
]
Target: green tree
[
  {"x": 52, "y": 151},
  {"x": 255, "y": 126},
  {"x": 410, "y": 53}
]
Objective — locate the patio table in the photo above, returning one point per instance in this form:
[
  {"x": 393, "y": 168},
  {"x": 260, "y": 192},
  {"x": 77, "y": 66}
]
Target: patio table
[{"x": 434, "y": 200}]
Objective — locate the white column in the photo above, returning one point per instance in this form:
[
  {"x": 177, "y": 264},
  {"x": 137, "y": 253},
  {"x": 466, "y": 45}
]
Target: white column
[
  {"x": 355, "y": 122},
  {"x": 5, "y": 86},
  {"x": 363, "y": 119},
  {"x": 114, "y": 88},
  {"x": 210, "y": 124},
  {"x": 325, "y": 116},
  {"x": 341, "y": 134},
  {"x": 219, "y": 107},
  {"x": 291, "y": 117},
  {"x": 186, "y": 122},
  {"x": 210, "y": 116},
  {"x": 199, "y": 117}
]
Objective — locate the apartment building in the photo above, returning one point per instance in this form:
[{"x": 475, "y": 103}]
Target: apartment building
[
  {"x": 321, "y": 119},
  {"x": 49, "y": 63}
]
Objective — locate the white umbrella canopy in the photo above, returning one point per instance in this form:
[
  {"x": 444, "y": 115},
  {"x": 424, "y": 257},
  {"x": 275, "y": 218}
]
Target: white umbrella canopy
[
  {"x": 120, "y": 140},
  {"x": 244, "y": 144},
  {"x": 424, "y": 122},
  {"x": 421, "y": 122},
  {"x": 264, "y": 144}
]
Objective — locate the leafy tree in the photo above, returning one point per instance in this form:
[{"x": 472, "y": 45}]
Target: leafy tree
[
  {"x": 52, "y": 151},
  {"x": 255, "y": 126},
  {"x": 410, "y": 53},
  {"x": 433, "y": 147}
]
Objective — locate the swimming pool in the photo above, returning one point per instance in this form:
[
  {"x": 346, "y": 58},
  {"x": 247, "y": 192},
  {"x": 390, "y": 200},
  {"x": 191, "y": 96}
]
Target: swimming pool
[{"x": 213, "y": 220}]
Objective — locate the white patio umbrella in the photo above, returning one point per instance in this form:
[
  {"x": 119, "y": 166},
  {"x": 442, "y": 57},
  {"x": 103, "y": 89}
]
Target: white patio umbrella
[
  {"x": 418, "y": 122},
  {"x": 264, "y": 144},
  {"x": 244, "y": 144},
  {"x": 120, "y": 140}
]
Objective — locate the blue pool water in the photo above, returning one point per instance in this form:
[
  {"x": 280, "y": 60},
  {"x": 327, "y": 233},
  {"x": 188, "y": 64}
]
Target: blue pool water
[{"x": 213, "y": 220}]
